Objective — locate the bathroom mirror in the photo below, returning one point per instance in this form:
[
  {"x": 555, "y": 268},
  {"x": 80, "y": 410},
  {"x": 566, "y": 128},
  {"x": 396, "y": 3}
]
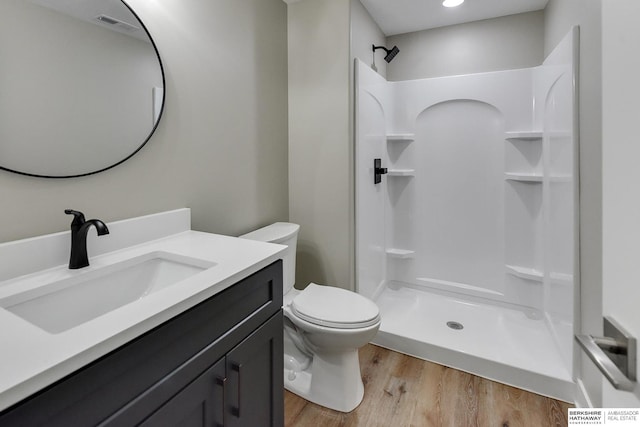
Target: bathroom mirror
[{"x": 81, "y": 86}]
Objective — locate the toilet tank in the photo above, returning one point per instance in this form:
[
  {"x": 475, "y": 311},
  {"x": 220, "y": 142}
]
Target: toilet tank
[{"x": 283, "y": 233}]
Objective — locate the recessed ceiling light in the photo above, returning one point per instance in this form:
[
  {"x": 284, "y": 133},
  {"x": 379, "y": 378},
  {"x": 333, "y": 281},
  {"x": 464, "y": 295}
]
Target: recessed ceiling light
[{"x": 452, "y": 3}]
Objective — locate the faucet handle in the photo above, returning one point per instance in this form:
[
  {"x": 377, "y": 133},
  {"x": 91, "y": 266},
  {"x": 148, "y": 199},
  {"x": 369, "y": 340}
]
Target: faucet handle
[{"x": 78, "y": 217}]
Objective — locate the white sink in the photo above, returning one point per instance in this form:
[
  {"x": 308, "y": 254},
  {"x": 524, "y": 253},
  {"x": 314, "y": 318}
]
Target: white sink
[{"x": 64, "y": 304}]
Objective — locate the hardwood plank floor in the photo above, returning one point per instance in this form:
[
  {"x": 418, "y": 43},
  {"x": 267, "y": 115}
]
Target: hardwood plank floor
[{"x": 404, "y": 391}]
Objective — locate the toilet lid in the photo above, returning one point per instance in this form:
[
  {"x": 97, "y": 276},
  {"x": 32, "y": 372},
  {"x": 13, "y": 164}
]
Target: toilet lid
[{"x": 335, "y": 308}]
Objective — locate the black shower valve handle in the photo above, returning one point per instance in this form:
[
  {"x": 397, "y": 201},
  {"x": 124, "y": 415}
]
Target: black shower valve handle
[
  {"x": 377, "y": 167},
  {"x": 378, "y": 171}
]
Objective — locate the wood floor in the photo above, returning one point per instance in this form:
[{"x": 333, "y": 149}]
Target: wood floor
[{"x": 404, "y": 391}]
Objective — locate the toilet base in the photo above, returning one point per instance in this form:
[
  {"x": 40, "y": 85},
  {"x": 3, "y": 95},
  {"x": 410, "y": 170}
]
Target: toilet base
[{"x": 332, "y": 380}]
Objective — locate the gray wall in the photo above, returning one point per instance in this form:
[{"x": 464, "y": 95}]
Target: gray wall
[
  {"x": 509, "y": 42},
  {"x": 221, "y": 147},
  {"x": 364, "y": 33},
  {"x": 561, "y": 15},
  {"x": 324, "y": 37},
  {"x": 320, "y": 164}
]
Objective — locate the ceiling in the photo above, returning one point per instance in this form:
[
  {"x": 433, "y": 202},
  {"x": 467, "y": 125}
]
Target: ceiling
[{"x": 405, "y": 16}]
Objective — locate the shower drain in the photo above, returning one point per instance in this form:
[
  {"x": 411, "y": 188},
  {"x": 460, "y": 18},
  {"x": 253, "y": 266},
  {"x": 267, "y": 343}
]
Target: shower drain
[{"x": 455, "y": 325}]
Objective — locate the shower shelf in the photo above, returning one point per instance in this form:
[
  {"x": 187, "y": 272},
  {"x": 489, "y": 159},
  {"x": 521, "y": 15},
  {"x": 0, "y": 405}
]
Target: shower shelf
[
  {"x": 401, "y": 172},
  {"x": 524, "y": 272},
  {"x": 400, "y": 253},
  {"x": 536, "y": 275},
  {"x": 525, "y": 135},
  {"x": 523, "y": 177},
  {"x": 400, "y": 137},
  {"x": 535, "y": 178}
]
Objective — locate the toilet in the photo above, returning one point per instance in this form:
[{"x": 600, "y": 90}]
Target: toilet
[{"x": 324, "y": 327}]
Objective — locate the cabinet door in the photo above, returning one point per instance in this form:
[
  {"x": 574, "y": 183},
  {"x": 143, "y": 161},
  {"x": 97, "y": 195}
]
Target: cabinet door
[
  {"x": 255, "y": 379},
  {"x": 199, "y": 404}
]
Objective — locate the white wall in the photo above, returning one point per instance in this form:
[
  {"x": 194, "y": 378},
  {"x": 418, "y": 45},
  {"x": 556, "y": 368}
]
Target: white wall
[
  {"x": 364, "y": 33},
  {"x": 620, "y": 176},
  {"x": 504, "y": 43},
  {"x": 320, "y": 159},
  {"x": 221, "y": 147},
  {"x": 371, "y": 116},
  {"x": 560, "y": 16},
  {"x": 463, "y": 231},
  {"x": 556, "y": 113}
]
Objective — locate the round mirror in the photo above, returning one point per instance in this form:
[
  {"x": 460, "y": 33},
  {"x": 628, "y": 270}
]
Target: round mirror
[{"x": 81, "y": 86}]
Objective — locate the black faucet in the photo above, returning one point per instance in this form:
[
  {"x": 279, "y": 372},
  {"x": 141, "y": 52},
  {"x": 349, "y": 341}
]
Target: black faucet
[{"x": 79, "y": 228}]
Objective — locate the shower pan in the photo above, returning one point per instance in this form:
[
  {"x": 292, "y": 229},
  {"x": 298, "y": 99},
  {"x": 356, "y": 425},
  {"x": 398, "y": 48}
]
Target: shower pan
[{"x": 468, "y": 243}]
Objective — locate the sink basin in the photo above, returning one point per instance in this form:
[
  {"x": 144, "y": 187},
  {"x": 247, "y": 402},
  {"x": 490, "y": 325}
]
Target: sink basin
[{"x": 64, "y": 304}]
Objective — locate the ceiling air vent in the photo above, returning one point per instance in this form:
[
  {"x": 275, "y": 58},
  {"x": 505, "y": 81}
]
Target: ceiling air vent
[{"x": 105, "y": 19}]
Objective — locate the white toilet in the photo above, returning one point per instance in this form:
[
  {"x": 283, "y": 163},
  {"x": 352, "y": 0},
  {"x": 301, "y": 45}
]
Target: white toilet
[{"x": 323, "y": 329}]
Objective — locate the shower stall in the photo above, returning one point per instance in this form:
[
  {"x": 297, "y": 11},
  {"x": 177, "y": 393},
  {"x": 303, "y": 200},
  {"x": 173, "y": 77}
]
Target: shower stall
[{"x": 468, "y": 242}]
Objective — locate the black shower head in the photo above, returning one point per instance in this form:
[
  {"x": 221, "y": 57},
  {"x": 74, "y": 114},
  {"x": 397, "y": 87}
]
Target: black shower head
[{"x": 391, "y": 53}]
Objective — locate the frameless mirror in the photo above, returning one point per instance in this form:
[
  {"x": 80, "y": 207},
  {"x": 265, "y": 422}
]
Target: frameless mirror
[{"x": 81, "y": 86}]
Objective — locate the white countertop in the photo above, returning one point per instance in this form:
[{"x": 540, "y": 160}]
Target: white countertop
[{"x": 31, "y": 358}]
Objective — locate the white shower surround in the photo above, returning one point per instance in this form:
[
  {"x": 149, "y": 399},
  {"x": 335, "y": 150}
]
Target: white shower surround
[{"x": 475, "y": 220}]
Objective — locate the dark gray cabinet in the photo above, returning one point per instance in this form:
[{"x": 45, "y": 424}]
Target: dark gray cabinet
[
  {"x": 201, "y": 403},
  {"x": 251, "y": 370},
  {"x": 217, "y": 364},
  {"x": 236, "y": 391}
]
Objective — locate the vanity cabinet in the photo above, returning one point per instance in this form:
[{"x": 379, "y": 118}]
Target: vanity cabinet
[
  {"x": 234, "y": 391},
  {"x": 217, "y": 364}
]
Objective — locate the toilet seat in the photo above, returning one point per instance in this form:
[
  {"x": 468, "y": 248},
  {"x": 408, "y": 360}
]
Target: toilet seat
[{"x": 335, "y": 308}]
